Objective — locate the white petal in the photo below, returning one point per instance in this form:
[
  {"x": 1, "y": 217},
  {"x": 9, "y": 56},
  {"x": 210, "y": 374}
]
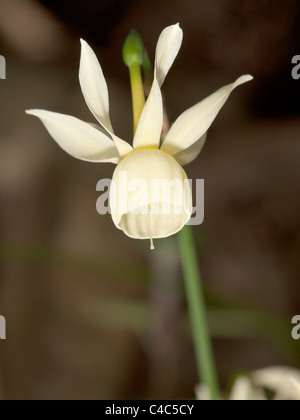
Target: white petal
[
  {"x": 93, "y": 85},
  {"x": 94, "y": 89},
  {"x": 150, "y": 124},
  {"x": 150, "y": 196},
  {"x": 193, "y": 123},
  {"x": 123, "y": 147},
  {"x": 191, "y": 153},
  {"x": 202, "y": 392},
  {"x": 242, "y": 390},
  {"x": 168, "y": 46},
  {"x": 284, "y": 381},
  {"x": 79, "y": 139}
]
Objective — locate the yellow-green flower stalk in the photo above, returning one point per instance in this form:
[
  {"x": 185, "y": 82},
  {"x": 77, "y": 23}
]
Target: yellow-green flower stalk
[{"x": 133, "y": 56}]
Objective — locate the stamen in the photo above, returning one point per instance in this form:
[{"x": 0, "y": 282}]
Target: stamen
[{"x": 152, "y": 247}]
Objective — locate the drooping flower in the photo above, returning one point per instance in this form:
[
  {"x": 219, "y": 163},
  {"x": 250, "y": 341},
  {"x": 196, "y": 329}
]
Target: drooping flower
[{"x": 146, "y": 161}]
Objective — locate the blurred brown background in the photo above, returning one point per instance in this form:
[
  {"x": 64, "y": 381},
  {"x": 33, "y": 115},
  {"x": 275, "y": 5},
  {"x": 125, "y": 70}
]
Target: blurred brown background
[{"x": 91, "y": 313}]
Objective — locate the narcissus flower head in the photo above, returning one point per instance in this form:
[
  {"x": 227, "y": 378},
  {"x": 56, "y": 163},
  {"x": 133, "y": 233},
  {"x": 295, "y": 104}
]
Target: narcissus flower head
[{"x": 147, "y": 162}]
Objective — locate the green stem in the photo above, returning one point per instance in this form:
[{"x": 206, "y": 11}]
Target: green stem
[
  {"x": 137, "y": 89},
  {"x": 196, "y": 303}
]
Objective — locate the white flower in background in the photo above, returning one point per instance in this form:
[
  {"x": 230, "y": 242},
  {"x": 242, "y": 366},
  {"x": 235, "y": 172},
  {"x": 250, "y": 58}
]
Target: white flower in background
[
  {"x": 145, "y": 160},
  {"x": 282, "y": 383}
]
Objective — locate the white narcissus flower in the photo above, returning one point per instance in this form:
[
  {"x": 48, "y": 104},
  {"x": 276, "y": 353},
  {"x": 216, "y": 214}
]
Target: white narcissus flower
[{"x": 144, "y": 161}]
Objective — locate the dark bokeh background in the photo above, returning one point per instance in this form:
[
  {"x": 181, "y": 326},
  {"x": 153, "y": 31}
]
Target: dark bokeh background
[{"x": 91, "y": 313}]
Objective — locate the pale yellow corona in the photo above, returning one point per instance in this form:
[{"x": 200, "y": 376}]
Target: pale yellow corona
[{"x": 151, "y": 196}]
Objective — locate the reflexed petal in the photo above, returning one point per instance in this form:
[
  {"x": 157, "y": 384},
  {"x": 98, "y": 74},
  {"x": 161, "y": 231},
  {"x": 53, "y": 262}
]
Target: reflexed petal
[
  {"x": 168, "y": 46},
  {"x": 191, "y": 153},
  {"x": 79, "y": 139},
  {"x": 150, "y": 124},
  {"x": 94, "y": 89},
  {"x": 93, "y": 85},
  {"x": 150, "y": 196},
  {"x": 193, "y": 123},
  {"x": 123, "y": 147}
]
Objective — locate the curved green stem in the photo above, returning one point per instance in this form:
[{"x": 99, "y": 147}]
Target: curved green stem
[{"x": 196, "y": 303}]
